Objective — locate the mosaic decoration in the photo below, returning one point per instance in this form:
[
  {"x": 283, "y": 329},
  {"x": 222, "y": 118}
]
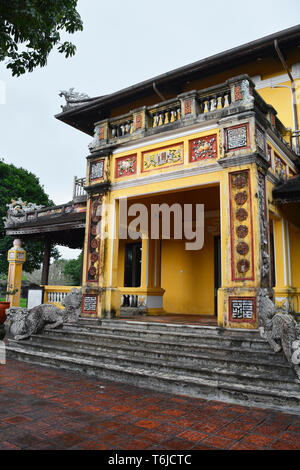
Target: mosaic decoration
[
  {"x": 242, "y": 248},
  {"x": 242, "y": 262},
  {"x": 188, "y": 107},
  {"x": 101, "y": 133},
  {"x": 241, "y": 215},
  {"x": 269, "y": 154},
  {"x": 96, "y": 170},
  {"x": 264, "y": 230},
  {"x": 260, "y": 139},
  {"x": 242, "y": 231},
  {"x": 237, "y": 137},
  {"x": 162, "y": 158},
  {"x": 138, "y": 121},
  {"x": 238, "y": 94},
  {"x": 280, "y": 167},
  {"x": 92, "y": 274},
  {"x": 242, "y": 309},
  {"x": 89, "y": 303},
  {"x": 125, "y": 166},
  {"x": 240, "y": 198},
  {"x": 204, "y": 148}
]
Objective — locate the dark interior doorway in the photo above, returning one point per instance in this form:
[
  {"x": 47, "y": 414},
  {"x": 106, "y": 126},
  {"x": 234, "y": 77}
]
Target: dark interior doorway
[{"x": 133, "y": 258}]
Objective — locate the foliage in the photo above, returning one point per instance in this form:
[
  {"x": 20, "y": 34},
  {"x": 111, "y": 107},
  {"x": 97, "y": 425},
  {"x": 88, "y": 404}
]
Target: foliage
[
  {"x": 19, "y": 183},
  {"x": 73, "y": 270},
  {"x": 30, "y": 29}
]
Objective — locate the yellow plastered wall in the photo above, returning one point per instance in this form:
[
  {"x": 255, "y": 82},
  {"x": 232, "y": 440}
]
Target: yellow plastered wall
[
  {"x": 188, "y": 277},
  {"x": 295, "y": 255}
]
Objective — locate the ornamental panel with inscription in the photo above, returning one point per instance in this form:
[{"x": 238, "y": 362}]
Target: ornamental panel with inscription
[{"x": 242, "y": 309}]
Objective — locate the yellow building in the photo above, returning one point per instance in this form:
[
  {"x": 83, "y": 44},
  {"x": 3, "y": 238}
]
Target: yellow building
[{"x": 220, "y": 133}]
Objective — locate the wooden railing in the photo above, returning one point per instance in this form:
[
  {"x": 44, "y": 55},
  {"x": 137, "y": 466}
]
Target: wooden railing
[
  {"x": 78, "y": 189},
  {"x": 56, "y": 294}
]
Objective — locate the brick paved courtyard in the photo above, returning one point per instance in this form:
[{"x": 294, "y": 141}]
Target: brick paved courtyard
[{"x": 45, "y": 408}]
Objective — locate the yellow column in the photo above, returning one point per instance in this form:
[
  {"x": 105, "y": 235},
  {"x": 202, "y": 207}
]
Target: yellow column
[
  {"x": 283, "y": 273},
  {"x": 145, "y": 262},
  {"x": 111, "y": 298},
  {"x": 16, "y": 258},
  {"x": 245, "y": 247}
]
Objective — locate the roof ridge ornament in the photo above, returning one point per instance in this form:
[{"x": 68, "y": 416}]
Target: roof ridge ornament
[{"x": 73, "y": 98}]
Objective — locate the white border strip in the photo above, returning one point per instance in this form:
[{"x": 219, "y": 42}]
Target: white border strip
[{"x": 167, "y": 135}]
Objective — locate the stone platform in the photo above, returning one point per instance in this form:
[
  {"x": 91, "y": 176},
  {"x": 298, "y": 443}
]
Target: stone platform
[{"x": 234, "y": 366}]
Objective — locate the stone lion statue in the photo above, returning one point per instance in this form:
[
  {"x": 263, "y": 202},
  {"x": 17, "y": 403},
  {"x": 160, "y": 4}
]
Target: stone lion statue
[
  {"x": 280, "y": 329},
  {"x": 24, "y": 322}
]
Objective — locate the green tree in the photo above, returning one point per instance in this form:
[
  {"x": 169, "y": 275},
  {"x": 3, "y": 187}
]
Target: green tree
[
  {"x": 19, "y": 183},
  {"x": 30, "y": 29},
  {"x": 73, "y": 270}
]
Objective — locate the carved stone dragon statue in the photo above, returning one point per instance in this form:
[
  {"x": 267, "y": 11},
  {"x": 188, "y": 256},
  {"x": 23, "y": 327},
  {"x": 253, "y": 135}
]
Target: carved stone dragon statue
[
  {"x": 280, "y": 329},
  {"x": 17, "y": 211},
  {"x": 73, "y": 98},
  {"x": 23, "y": 323}
]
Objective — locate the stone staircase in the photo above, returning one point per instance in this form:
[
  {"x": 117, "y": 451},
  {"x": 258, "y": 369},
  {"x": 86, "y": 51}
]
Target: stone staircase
[{"x": 200, "y": 361}]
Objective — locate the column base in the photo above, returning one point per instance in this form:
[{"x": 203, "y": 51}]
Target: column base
[{"x": 238, "y": 307}]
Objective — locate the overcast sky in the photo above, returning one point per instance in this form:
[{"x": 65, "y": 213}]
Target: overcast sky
[{"x": 123, "y": 42}]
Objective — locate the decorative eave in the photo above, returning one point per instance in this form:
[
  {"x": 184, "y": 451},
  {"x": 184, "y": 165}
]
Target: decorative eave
[
  {"x": 83, "y": 117},
  {"x": 288, "y": 192}
]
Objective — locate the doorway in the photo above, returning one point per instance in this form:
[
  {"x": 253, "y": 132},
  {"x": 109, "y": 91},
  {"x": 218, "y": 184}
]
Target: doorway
[{"x": 133, "y": 261}]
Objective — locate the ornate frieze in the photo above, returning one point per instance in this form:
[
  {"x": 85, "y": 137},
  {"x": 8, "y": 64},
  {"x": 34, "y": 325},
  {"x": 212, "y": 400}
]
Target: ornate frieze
[
  {"x": 126, "y": 166},
  {"x": 96, "y": 170},
  {"x": 237, "y": 137},
  {"x": 280, "y": 166},
  {"x": 238, "y": 94},
  {"x": 89, "y": 303},
  {"x": 270, "y": 155},
  {"x": 93, "y": 247},
  {"x": 264, "y": 230},
  {"x": 203, "y": 148},
  {"x": 163, "y": 157},
  {"x": 187, "y": 107},
  {"x": 260, "y": 139},
  {"x": 242, "y": 309},
  {"x": 100, "y": 135},
  {"x": 242, "y": 265}
]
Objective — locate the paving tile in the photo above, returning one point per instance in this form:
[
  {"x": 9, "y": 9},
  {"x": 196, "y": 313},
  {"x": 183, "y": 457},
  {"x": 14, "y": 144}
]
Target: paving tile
[
  {"x": 257, "y": 440},
  {"x": 55, "y": 409},
  {"x": 285, "y": 445},
  {"x": 193, "y": 436},
  {"x": 218, "y": 442},
  {"x": 177, "y": 444}
]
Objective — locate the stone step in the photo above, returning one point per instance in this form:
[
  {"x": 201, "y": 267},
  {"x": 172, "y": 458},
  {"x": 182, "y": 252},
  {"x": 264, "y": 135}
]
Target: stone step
[
  {"x": 246, "y": 377},
  {"x": 218, "y": 349},
  {"x": 155, "y": 352},
  {"x": 144, "y": 326},
  {"x": 206, "y": 338},
  {"x": 235, "y": 392}
]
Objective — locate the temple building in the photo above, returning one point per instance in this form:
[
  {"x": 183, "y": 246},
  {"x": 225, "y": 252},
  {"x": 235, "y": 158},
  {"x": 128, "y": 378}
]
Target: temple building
[
  {"x": 222, "y": 132},
  {"x": 190, "y": 209}
]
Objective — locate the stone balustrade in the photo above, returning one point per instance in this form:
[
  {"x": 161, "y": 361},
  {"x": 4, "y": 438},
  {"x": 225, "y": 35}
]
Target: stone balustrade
[
  {"x": 185, "y": 109},
  {"x": 56, "y": 294}
]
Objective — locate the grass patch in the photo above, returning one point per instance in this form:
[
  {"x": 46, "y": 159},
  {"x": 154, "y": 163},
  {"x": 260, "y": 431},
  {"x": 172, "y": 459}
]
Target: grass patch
[{"x": 23, "y": 302}]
